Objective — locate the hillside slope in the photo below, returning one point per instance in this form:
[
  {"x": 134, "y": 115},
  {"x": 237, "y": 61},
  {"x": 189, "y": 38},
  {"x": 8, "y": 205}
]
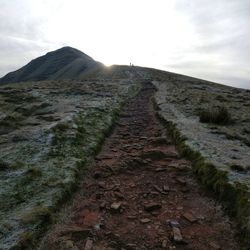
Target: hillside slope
[
  {"x": 64, "y": 63},
  {"x": 51, "y": 130}
]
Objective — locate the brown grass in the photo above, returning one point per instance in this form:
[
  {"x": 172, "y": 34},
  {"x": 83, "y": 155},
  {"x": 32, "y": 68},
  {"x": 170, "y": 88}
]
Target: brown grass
[{"x": 216, "y": 115}]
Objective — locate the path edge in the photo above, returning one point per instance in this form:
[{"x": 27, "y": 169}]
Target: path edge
[
  {"x": 234, "y": 196},
  {"x": 83, "y": 166}
]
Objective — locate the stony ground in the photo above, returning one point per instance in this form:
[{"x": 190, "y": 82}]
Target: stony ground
[{"x": 141, "y": 194}]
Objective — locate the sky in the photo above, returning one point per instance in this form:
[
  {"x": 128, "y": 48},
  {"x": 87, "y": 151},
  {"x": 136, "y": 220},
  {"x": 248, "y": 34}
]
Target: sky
[{"x": 201, "y": 38}]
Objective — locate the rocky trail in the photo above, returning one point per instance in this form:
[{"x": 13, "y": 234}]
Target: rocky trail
[{"x": 141, "y": 194}]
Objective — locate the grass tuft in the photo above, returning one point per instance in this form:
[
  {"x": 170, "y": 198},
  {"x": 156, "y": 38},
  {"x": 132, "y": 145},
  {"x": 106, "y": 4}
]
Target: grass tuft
[
  {"x": 4, "y": 165},
  {"x": 216, "y": 115},
  {"x": 34, "y": 214}
]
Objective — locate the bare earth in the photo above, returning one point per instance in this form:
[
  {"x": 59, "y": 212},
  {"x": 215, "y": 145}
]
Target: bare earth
[{"x": 141, "y": 194}]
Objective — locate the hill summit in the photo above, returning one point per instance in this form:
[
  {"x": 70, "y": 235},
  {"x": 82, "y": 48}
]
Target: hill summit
[{"x": 64, "y": 63}]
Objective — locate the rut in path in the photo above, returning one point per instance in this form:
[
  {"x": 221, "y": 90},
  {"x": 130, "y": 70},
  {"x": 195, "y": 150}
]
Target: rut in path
[{"x": 141, "y": 194}]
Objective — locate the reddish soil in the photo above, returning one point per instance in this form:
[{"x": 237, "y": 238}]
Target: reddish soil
[{"x": 141, "y": 194}]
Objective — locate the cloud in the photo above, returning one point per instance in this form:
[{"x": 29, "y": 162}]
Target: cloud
[
  {"x": 16, "y": 52},
  {"x": 18, "y": 19},
  {"x": 202, "y": 38},
  {"x": 222, "y": 40},
  {"x": 21, "y": 35}
]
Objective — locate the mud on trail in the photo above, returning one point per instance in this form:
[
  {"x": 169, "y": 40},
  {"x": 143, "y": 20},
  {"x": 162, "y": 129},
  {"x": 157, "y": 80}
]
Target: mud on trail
[{"x": 141, "y": 194}]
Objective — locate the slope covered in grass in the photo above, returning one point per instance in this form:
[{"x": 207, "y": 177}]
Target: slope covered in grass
[{"x": 48, "y": 132}]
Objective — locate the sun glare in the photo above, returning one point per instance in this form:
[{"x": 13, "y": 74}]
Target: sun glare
[
  {"x": 127, "y": 32},
  {"x": 171, "y": 35}
]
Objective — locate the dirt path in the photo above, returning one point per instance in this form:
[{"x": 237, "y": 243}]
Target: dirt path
[{"x": 142, "y": 195}]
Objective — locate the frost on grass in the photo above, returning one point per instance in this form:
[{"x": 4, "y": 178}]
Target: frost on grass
[{"x": 48, "y": 130}]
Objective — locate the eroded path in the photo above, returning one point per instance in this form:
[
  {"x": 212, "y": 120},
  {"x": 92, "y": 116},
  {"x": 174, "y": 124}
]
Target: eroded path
[{"x": 140, "y": 194}]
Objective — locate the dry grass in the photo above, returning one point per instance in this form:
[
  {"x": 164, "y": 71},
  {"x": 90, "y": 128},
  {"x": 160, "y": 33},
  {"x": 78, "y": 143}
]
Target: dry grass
[{"x": 217, "y": 115}]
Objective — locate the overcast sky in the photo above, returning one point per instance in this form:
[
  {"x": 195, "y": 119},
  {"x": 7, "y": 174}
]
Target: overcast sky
[{"x": 202, "y": 38}]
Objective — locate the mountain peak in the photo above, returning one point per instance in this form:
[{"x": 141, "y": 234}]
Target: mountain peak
[
  {"x": 66, "y": 49},
  {"x": 63, "y": 63}
]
